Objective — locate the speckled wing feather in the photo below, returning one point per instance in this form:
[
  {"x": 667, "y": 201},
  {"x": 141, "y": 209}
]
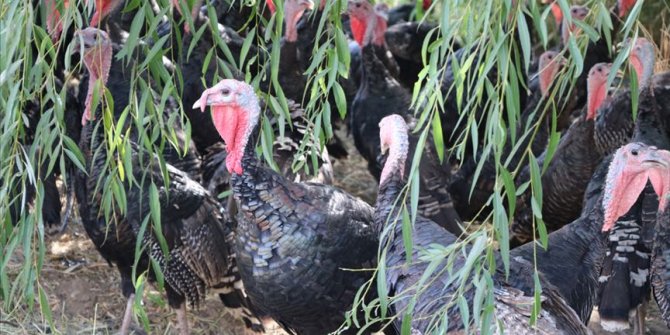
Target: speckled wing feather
[{"x": 295, "y": 242}]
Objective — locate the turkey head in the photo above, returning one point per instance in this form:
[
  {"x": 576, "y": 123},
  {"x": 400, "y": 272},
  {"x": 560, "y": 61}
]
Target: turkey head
[
  {"x": 597, "y": 87},
  {"x": 102, "y": 9},
  {"x": 642, "y": 59},
  {"x": 549, "y": 65},
  {"x": 631, "y": 167},
  {"x": 576, "y": 13},
  {"x": 393, "y": 138},
  {"x": 271, "y": 6},
  {"x": 195, "y": 9},
  {"x": 426, "y": 4},
  {"x": 363, "y": 20},
  {"x": 555, "y": 11},
  {"x": 235, "y": 114},
  {"x": 54, "y": 22},
  {"x": 625, "y": 6},
  {"x": 97, "y": 57},
  {"x": 293, "y": 11}
]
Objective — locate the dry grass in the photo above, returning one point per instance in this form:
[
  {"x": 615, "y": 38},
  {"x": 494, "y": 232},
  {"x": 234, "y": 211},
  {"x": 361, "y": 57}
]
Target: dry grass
[
  {"x": 352, "y": 174},
  {"x": 663, "y": 62},
  {"x": 85, "y": 297}
]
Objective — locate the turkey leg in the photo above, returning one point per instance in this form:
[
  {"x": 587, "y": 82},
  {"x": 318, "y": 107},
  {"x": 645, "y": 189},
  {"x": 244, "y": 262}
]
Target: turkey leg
[
  {"x": 638, "y": 323},
  {"x": 125, "y": 324},
  {"x": 182, "y": 321}
]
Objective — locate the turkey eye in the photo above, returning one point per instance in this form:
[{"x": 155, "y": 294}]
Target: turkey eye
[
  {"x": 634, "y": 152},
  {"x": 358, "y": 5},
  {"x": 225, "y": 91}
]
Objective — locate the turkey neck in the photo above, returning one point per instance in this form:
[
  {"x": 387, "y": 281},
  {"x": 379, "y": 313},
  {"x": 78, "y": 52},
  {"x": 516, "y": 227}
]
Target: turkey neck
[
  {"x": 245, "y": 185},
  {"x": 389, "y": 190},
  {"x": 289, "y": 56},
  {"x": 650, "y": 128},
  {"x": 374, "y": 73}
]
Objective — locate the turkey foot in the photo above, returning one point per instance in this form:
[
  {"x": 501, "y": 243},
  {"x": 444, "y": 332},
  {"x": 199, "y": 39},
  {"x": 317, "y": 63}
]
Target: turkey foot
[
  {"x": 125, "y": 324},
  {"x": 638, "y": 322},
  {"x": 182, "y": 321}
]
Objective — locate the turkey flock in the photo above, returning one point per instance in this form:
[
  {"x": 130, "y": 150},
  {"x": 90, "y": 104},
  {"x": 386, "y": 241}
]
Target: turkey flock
[{"x": 288, "y": 246}]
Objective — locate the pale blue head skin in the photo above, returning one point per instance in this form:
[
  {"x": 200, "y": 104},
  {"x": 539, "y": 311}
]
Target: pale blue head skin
[
  {"x": 642, "y": 58},
  {"x": 393, "y": 138},
  {"x": 235, "y": 114}
]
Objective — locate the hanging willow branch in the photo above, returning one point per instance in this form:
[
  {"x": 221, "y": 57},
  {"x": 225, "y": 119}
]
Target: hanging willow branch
[{"x": 496, "y": 37}]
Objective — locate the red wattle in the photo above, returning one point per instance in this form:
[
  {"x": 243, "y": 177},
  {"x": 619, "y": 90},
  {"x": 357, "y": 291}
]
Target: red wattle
[
  {"x": 637, "y": 65},
  {"x": 229, "y": 122},
  {"x": 357, "y": 29},
  {"x": 89, "y": 99},
  {"x": 426, "y": 4},
  {"x": 624, "y": 195},
  {"x": 102, "y": 8},
  {"x": 557, "y": 12},
  {"x": 596, "y": 98},
  {"x": 547, "y": 76},
  {"x": 54, "y": 24},
  {"x": 271, "y": 6},
  {"x": 380, "y": 29},
  {"x": 625, "y": 6}
]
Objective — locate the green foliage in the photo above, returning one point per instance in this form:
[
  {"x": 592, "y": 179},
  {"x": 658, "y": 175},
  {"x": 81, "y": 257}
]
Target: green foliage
[{"x": 485, "y": 28}]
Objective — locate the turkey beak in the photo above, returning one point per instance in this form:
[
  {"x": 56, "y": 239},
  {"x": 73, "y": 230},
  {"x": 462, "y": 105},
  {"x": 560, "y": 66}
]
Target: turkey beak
[
  {"x": 656, "y": 159},
  {"x": 658, "y": 163},
  {"x": 81, "y": 42},
  {"x": 213, "y": 96},
  {"x": 78, "y": 42},
  {"x": 309, "y": 4},
  {"x": 384, "y": 147}
]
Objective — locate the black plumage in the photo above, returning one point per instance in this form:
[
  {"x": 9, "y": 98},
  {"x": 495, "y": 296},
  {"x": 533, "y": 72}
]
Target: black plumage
[
  {"x": 405, "y": 41},
  {"x": 510, "y": 303},
  {"x": 567, "y": 175},
  {"x": 293, "y": 240},
  {"x": 625, "y": 276},
  {"x": 380, "y": 95},
  {"x": 470, "y": 187},
  {"x": 198, "y": 253}
]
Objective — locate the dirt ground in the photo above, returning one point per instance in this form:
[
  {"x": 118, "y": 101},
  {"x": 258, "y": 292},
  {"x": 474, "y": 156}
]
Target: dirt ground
[{"x": 85, "y": 296}]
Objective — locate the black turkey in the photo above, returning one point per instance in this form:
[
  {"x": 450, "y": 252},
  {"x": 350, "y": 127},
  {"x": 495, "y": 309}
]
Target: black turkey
[
  {"x": 294, "y": 241},
  {"x": 199, "y": 236},
  {"x": 512, "y": 300}
]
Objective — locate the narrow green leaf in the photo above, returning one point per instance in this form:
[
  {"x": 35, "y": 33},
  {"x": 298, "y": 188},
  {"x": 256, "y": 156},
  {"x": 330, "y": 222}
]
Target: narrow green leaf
[
  {"x": 576, "y": 55},
  {"x": 155, "y": 207},
  {"x": 407, "y": 234},
  {"x": 524, "y": 38}
]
